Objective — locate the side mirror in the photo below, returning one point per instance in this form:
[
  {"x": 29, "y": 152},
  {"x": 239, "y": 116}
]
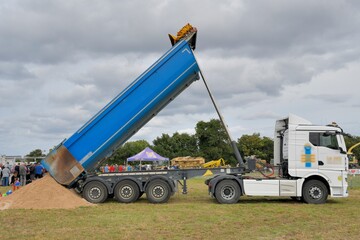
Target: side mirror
[{"x": 342, "y": 150}]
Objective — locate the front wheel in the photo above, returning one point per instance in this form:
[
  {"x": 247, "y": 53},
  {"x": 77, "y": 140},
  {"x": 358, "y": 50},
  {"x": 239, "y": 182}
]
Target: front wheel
[
  {"x": 227, "y": 191},
  {"x": 315, "y": 192},
  {"x": 95, "y": 192}
]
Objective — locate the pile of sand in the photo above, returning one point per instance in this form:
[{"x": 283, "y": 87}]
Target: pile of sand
[{"x": 44, "y": 193}]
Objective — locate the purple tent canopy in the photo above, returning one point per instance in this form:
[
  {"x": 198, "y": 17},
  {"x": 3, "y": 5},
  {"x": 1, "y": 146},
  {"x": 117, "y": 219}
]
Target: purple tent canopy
[{"x": 147, "y": 155}]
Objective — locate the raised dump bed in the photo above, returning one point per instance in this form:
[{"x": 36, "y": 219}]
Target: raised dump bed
[{"x": 125, "y": 114}]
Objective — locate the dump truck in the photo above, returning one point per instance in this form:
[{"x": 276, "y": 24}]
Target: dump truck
[{"x": 311, "y": 170}]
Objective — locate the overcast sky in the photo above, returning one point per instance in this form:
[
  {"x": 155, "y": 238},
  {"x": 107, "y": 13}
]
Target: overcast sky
[{"x": 62, "y": 61}]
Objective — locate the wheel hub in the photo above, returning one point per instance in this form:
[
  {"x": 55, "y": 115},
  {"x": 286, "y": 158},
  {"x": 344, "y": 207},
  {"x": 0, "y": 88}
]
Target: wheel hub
[
  {"x": 95, "y": 193},
  {"x": 126, "y": 192},
  {"x": 228, "y": 192},
  {"x": 315, "y": 192},
  {"x": 158, "y": 191}
]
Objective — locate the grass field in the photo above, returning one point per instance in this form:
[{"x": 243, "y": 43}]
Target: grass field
[{"x": 191, "y": 216}]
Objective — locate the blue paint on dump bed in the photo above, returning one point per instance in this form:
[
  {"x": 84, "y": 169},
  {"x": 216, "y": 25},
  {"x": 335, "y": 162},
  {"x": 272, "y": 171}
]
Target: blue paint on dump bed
[
  {"x": 125, "y": 114},
  {"x": 132, "y": 108}
]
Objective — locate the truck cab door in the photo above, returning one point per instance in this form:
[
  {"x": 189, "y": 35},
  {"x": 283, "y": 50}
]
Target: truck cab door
[{"x": 330, "y": 150}]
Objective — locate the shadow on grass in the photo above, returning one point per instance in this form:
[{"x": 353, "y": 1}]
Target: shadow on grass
[
  {"x": 258, "y": 200},
  {"x": 243, "y": 200}
]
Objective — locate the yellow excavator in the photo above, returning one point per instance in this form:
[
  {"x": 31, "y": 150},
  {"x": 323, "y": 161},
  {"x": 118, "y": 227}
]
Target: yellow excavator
[
  {"x": 353, "y": 162},
  {"x": 214, "y": 163}
]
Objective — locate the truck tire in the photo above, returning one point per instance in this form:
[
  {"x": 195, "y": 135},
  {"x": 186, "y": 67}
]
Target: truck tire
[
  {"x": 158, "y": 191},
  {"x": 126, "y": 191},
  {"x": 227, "y": 192},
  {"x": 315, "y": 192},
  {"x": 95, "y": 192}
]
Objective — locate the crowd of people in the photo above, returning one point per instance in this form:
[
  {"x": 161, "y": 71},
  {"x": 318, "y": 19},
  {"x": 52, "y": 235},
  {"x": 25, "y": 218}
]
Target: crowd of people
[
  {"x": 20, "y": 174},
  {"x": 115, "y": 168},
  {"x": 121, "y": 168}
]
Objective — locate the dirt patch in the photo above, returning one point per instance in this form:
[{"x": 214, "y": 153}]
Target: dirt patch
[{"x": 44, "y": 193}]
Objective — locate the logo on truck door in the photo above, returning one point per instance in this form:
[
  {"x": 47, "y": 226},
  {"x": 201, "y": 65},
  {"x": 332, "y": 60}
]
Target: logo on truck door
[{"x": 308, "y": 157}]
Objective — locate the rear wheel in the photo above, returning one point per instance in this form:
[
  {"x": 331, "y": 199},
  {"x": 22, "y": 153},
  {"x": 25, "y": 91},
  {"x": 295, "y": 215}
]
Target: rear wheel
[
  {"x": 227, "y": 191},
  {"x": 95, "y": 192},
  {"x": 126, "y": 191},
  {"x": 315, "y": 192},
  {"x": 158, "y": 191}
]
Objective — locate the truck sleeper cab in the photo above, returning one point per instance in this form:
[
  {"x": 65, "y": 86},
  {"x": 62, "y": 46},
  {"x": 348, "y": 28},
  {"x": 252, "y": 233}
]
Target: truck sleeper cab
[{"x": 312, "y": 160}]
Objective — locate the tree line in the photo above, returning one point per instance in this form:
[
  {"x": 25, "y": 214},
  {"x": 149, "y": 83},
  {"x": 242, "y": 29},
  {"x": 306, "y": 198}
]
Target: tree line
[
  {"x": 210, "y": 141},
  {"x": 350, "y": 141}
]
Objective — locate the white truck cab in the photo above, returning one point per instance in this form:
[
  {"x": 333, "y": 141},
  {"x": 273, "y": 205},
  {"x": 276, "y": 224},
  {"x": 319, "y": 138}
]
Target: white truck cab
[
  {"x": 312, "y": 165},
  {"x": 311, "y": 155}
]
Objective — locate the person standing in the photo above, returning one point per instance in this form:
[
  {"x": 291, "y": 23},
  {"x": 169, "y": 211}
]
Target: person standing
[
  {"x": 22, "y": 174},
  {"x": 39, "y": 170},
  {"x": 1, "y": 174},
  {"x": 32, "y": 172},
  {"x": 6, "y": 175},
  {"x": 106, "y": 168}
]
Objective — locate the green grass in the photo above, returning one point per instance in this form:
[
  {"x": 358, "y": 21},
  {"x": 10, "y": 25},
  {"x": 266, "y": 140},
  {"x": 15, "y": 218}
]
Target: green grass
[
  {"x": 354, "y": 181},
  {"x": 191, "y": 216}
]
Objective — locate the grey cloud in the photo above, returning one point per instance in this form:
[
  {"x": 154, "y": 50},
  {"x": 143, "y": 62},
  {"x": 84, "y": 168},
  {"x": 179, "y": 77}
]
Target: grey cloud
[
  {"x": 61, "y": 62},
  {"x": 329, "y": 98},
  {"x": 262, "y": 115},
  {"x": 59, "y": 31},
  {"x": 265, "y": 27},
  {"x": 240, "y": 75},
  {"x": 14, "y": 71}
]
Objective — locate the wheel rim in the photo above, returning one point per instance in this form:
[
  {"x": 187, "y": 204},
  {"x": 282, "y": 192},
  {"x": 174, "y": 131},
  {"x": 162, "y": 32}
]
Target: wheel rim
[
  {"x": 228, "y": 192},
  {"x": 126, "y": 192},
  {"x": 158, "y": 191},
  {"x": 95, "y": 193},
  {"x": 315, "y": 192}
]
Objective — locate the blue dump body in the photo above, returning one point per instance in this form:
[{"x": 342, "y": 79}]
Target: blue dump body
[{"x": 124, "y": 115}]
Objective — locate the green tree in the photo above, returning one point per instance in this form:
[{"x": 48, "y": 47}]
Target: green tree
[
  {"x": 255, "y": 145},
  {"x": 213, "y": 141},
  {"x": 350, "y": 141},
  {"x": 179, "y": 144},
  {"x": 36, "y": 153},
  {"x": 268, "y": 148}
]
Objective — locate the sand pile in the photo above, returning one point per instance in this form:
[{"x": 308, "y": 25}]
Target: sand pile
[{"x": 44, "y": 193}]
